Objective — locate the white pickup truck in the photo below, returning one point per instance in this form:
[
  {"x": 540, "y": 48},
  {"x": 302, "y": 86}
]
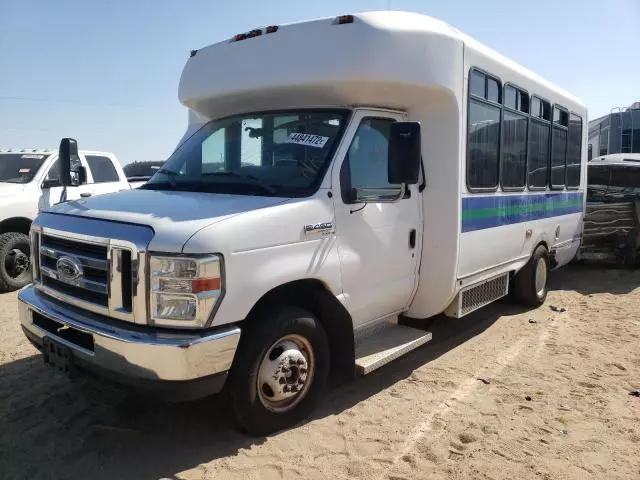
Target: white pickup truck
[{"x": 29, "y": 184}]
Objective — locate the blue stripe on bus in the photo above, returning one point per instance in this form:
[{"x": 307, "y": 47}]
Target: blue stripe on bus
[{"x": 481, "y": 212}]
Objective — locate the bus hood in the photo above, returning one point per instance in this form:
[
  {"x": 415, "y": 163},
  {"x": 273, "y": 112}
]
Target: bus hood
[{"x": 174, "y": 216}]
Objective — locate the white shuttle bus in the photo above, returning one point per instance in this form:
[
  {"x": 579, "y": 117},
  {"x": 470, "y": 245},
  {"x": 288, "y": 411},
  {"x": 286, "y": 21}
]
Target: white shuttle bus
[{"x": 341, "y": 177}]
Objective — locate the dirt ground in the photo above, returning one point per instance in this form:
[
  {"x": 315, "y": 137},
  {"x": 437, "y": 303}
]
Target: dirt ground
[{"x": 502, "y": 394}]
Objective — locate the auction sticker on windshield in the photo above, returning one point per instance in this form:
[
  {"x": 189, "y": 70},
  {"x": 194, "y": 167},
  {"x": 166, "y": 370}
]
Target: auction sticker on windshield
[{"x": 307, "y": 140}]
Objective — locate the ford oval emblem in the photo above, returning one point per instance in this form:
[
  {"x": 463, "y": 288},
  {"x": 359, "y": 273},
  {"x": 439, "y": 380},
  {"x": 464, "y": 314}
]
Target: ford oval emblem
[{"x": 68, "y": 268}]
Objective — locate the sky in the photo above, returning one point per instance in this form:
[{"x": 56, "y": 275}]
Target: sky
[{"x": 106, "y": 73}]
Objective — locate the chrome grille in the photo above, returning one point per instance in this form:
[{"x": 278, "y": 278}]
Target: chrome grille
[
  {"x": 98, "y": 274},
  {"x": 93, "y": 283}
]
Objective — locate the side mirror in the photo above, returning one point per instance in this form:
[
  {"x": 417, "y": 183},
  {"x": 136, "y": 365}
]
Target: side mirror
[
  {"x": 72, "y": 173},
  {"x": 404, "y": 153},
  {"x": 51, "y": 182}
]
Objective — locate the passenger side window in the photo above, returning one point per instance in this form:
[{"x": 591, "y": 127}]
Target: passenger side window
[
  {"x": 367, "y": 161},
  {"x": 102, "y": 169},
  {"x": 539, "y": 141},
  {"x": 515, "y": 126},
  {"x": 574, "y": 151},
  {"x": 483, "y": 132},
  {"x": 559, "y": 148}
]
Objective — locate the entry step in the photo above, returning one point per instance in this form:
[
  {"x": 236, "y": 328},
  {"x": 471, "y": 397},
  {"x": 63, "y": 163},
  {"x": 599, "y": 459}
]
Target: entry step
[{"x": 386, "y": 343}]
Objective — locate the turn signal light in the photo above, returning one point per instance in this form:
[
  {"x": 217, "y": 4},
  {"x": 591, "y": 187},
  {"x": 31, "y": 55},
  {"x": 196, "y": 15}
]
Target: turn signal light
[{"x": 205, "y": 284}]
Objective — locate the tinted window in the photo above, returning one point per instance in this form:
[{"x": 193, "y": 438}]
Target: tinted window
[
  {"x": 476, "y": 84},
  {"x": 102, "y": 169},
  {"x": 574, "y": 151},
  {"x": 523, "y": 101},
  {"x": 545, "y": 110},
  {"x": 510, "y": 94},
  {"x": 560, "y": 117},
  {"x": 493, "y": 90},
  {"x": 535, "y": 107},
  {"x": 538, "y": 162},
  {"x": 19, "y": 167},
  {"x": 625, "y": 179},
  {"x": 558, "y": 156},
  {"x": 598, "y": 176},
  {"x": 483, "y": 144},
  {"x": 514, "y": 149},
  {"x": 367, "y": 159}
]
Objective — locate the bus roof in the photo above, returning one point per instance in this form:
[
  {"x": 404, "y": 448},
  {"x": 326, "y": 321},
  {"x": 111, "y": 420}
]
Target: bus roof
[{"x": 381, "y": 59}]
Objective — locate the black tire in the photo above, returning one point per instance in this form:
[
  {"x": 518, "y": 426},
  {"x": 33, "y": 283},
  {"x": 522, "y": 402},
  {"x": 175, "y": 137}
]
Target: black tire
[
  {"x": 257, "y": 341},
  {"x": 524, "y": 282},
  {"x": 11, "y": 277}
]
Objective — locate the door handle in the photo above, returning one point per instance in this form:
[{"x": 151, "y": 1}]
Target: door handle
[
  {"x": 85, "y": 194},
  {"x": 412, "y": 238}
]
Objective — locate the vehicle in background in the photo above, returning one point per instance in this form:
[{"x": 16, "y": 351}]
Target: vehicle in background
[
  {"x": 343, "y": 179},
  {"x": 138, "y": 173},
  {"x": 29, "y": 184},
  {"x": 612, "y": 220}
]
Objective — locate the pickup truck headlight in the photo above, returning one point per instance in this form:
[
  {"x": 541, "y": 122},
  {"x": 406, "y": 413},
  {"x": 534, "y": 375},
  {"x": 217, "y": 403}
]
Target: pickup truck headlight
[{"x": 184, "y": 290}]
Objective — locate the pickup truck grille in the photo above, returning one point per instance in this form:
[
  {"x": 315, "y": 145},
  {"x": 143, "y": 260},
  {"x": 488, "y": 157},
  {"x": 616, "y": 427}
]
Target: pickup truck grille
[{"x": 96, "y": 274}]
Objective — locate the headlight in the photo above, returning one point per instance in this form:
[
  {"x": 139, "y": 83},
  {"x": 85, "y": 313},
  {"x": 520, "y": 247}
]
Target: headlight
[{"x": 184, "y": 290}]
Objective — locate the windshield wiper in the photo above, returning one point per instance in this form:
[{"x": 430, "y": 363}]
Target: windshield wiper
[
  {"x": 169, "y": 173},
  {"x": 256, "y": 181}
]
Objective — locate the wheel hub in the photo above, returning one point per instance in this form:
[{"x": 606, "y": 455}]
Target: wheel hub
[
  {"x": 541, "y": 277},
  {"x": 285, "y": 374},
  {"x": 17, "y": 262}
]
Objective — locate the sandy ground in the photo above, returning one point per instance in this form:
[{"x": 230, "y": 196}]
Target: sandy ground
[{"x": 502, "y": 394}]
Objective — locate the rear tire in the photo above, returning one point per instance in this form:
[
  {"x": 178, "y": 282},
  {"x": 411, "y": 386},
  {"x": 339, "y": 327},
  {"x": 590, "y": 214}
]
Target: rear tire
[
  {"x": 530, "y": 283},
  {"x": 280, "y": 371},
  {"x": 15, "y": 268}
]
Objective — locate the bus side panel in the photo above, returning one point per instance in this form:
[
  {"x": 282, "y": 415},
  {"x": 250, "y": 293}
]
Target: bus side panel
[{"x": 500, "y": 231}]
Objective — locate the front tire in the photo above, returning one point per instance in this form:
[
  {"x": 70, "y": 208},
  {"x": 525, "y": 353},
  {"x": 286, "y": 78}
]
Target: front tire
[
  {"x": 530, "y": 283},
  {"x": 15, "y": 268},
  {"x": 280, "y": 371}
]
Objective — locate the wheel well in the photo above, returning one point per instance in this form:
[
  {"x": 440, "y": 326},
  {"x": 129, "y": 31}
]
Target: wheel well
[
  {"x": 553, "y": 263},
  {"x": 17, "y": 224},
  {"x": 314, "y": 296}
]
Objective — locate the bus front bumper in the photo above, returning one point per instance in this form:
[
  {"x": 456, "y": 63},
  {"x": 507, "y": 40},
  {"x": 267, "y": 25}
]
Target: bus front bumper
[{"x": 176, "y": 365}]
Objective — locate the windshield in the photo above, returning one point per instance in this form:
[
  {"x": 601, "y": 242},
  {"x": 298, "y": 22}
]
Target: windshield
[
  {"x": 610, "y": 183},
  {"x": 271, "y": 154},
  {"x": 19, "y": 167}
]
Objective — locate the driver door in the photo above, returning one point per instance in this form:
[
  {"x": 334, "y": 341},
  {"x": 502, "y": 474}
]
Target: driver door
[{"x": 378, "y": 242}]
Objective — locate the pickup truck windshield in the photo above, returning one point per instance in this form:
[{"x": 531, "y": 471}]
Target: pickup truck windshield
[
  {"x": 271, "y": 154},
  {"x": 19, "y": 167}
]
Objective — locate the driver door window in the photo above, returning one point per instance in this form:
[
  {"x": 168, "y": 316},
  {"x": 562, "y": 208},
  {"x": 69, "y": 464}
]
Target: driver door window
[{"x": 367, "y": 162}]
